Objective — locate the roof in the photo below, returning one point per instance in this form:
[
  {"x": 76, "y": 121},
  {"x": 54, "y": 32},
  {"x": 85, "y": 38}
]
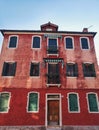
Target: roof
[
  {"x": 3, "y": 31},
  {"x": 49, "y": 24}
]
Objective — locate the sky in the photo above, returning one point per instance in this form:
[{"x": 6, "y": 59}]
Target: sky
[{"x": 69, "y": 15}]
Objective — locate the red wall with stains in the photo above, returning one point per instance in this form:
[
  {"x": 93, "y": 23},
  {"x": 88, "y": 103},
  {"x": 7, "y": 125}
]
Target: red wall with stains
[
  {"x": 18, "y": 114},
  {"x": 22, "y": 83}
]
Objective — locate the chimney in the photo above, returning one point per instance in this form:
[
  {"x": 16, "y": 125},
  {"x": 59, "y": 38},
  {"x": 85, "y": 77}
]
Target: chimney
[{"x": 85, "y": 29}]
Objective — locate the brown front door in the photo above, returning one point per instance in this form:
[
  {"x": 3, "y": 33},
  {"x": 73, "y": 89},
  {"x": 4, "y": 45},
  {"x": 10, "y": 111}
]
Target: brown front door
[{"x": 53, "y": 112}]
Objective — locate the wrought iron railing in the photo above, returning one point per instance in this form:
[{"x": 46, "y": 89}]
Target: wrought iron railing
[
  {"x": 53, "y": 78},
  {"x": 52, "y": 50}
]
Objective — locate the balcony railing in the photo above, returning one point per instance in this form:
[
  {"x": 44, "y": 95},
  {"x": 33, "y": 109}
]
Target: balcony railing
[
  {"x": 53, "y": 79},
  {"x": 52, "y": 50}
]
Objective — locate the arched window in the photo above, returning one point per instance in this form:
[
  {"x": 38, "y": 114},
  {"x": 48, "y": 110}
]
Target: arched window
[
  {"x": 4, "y": 101},
  {"x": 33, "y": 102},
  {"x": 84, "y": 43},
  {"x": 92, "y": 102},
  {"x": 13, "y": 42},
  {"x": 36, "y": 42},
  {"x": 69, "y": 43}
]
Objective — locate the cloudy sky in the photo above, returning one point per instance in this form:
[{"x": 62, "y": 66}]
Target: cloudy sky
[{"x": 69, "y": 15}]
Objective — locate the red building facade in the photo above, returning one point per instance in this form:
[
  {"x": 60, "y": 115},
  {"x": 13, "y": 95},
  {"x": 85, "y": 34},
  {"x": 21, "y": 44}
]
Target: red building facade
[{"x": 48, "y": 78}]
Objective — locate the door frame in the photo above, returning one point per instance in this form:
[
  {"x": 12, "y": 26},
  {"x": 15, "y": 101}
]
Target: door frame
[{"x": 60, "y": 107}]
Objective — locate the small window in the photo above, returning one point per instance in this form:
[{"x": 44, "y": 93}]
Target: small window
[
  {"x": 89, "y": 70},
  {"x": 9, "y": 69},
  {"x": 73, "y": 102},
  {"x": 84, "y": 43},
  {"x": 34, "y": 70},
  {"x": 93, "y": 103},
  {"x": 4, "y": 102},
  {"x": 69, "y": 43},
  {"x": 71, "y": 70},
  {"x": 36, "y": 42},
  {"x": 33, "y": 102},
  {"x": 13, "y": 42}
]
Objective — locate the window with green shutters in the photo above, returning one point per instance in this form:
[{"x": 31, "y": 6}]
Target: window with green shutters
[
  {"x": 73, "y": 102},
  {"x": 33, "y": 102},
  {"x": 4, "y": 102},
  {"x": 93, "y": 103}
]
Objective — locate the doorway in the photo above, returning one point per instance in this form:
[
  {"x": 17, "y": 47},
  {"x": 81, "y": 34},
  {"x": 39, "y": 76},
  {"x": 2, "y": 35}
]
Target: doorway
[{"x": 53, "y": 110}]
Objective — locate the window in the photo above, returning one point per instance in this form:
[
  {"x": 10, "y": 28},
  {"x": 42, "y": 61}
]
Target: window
[
  {"x": 36, "y": 42},
  {"x": 9, "y": 69},
  {"x": 34, "y": 70},
  {"x": 71, "y": 70},
  {"x": 93, "y": 103},
  {"x": 89, "y": 70},
  {"x": 13, "y": 42},
  {"x": 73, "y": 102},
  {"x": 84, "y": 43},
  {"x": 4, "y": 102},
  {"x": 69, "y": 43},
  {"x": 52, "y": 46},
  {"x": 33, "y": 102}
]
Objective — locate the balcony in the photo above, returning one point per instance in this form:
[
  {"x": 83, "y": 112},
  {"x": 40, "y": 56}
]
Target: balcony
[
  {"x": 52, "y": 50},
  {"x": 53, "y": 79}
]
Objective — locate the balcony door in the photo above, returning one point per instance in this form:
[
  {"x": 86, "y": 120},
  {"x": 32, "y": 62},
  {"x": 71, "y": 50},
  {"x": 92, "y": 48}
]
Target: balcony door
[
  {"x": 53, "y": 74},
  {"x": 52, "y": 46}
]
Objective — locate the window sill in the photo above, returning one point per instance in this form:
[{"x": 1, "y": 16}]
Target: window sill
[
  {"x": 93, "y": 112},
  {"x": 8, "y": 76},
  {"x": 85, "y": 49},
  {"x": 89, "y": 77},
  {"x": 36, "y": 48},
  {"x": 74, "y": 111},
  {"x": 12, "y": 48},
  {"x": 71, "y": 77},
  {"x": 53, "y": 85},
  {"x": 53, "y": 55},
  {"x": 34, "y": 76}
]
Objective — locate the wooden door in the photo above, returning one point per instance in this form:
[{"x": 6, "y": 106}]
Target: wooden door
[{"x": 53, "y": 112}]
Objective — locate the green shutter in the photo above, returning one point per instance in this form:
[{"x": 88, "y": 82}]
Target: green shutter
[
  {"x": 4, "y": 98},
  {"x": 93, "y": 106},
  {"x": 73, "y": 104},
  {"x": 33, "y": 102}
]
